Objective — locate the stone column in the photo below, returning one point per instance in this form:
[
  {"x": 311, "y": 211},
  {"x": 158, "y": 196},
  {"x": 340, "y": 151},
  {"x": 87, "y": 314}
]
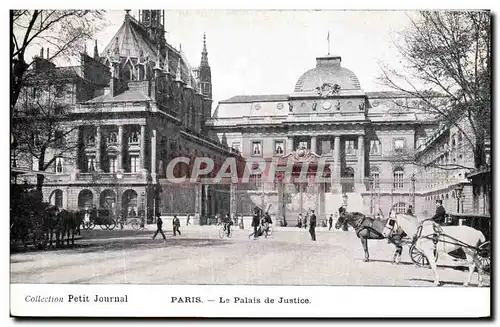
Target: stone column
[
  {"x": 313, "y": 144},
  {"x": 361, "y": 164},
  {"x": 153, "y": 154},
  {"x": 98, "y": 148},
  {"x": 197, "y": 203},
  {"x": 119, "y": 158},
  {"x": 232, "y": 200},
  {"x": 206, "y": 200},
  {"x": 143, "y": 147},
  {"x": 289, "y": 145},
  {"x": 335, "y": 173}
]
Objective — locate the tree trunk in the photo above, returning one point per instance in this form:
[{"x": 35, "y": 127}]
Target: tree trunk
[{"x": 39, "y": 177}]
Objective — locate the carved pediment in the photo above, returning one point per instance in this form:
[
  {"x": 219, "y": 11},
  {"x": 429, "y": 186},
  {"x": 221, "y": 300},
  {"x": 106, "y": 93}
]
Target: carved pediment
[
  {"x": 328, "y": 89},
  {"x": 302, "y": 155}
]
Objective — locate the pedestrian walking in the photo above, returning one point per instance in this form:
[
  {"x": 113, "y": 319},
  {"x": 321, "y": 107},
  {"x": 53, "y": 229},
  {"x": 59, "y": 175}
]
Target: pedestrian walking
[
  {"x": 188, "y": 220},
  {"x": 330, "y": 222},
  {"x": 159, "y": 225},
  {"x": 176, "y": 224},
  {"x": 312, "y": 226},
  {"x": 255, "y": 223},
  {"x": 305, "y": 221}
]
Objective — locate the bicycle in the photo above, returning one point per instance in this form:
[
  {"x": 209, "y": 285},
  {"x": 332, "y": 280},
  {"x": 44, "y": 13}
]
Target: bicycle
[
  {"x": 223, "y": 231},
  {"x": 136, "y": 223}
]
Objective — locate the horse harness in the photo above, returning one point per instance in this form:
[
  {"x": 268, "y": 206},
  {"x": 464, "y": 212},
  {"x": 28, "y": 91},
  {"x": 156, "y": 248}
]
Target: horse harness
[{"x": 359, "y": 224}]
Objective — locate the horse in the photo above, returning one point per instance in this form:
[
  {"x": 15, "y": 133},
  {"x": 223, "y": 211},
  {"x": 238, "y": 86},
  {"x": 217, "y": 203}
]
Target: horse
[
  {"x": 70, "y": 223},
  {"x": 368, "y": 228},
  {"x": 450, "y": 239}
]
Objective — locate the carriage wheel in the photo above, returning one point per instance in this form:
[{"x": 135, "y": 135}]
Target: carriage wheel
[
  {"x": 221, "y": 232},
  {"x": 484, "y": 254},
  {"x": 103, "y": 227},
  {"x": 419, "y": 258},
  {"x": 112, "y": 225},
  {"x": 91, "y": 226}
]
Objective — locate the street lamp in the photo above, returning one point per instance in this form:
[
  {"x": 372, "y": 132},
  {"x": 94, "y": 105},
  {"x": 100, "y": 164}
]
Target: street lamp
[
  {"x": 372, "y": 186},
  {"x": 458, "y": 191},
  {"x": 412, "y": 179}
]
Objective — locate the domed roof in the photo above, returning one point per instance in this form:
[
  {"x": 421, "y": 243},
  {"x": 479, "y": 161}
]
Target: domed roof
[{"x": 328, "y": 70}]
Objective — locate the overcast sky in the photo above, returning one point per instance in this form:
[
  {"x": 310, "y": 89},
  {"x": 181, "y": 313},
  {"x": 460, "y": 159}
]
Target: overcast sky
[{"x": 265, "y": 52}]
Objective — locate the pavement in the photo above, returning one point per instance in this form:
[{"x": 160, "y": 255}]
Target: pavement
[{"x": 199, "y": 256}]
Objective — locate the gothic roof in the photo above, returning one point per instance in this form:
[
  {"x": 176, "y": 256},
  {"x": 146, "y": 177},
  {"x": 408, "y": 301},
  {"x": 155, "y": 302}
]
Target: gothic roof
[
  {"x": 134, "y": 46},
  {"x": 328, "y": 70}
]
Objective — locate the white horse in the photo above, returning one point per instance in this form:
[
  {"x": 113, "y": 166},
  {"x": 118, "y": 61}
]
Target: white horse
[{"x": 457, "y": 235}]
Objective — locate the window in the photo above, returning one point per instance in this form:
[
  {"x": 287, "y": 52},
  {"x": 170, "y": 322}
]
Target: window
[
  {"x": 400, "y": 207},
  {"x": 279, "y": 147},
  {"x": 398, "y": 178},
  {"x": 134, "y": 138},
  {"x": 134, "y": 164},
  {"x": 326, "y": 147},
  {"x": 59, "y": 165},
  {"x": 113, "y": 138},
  {"x": 375, "y": 147},
  {"x": 112, "y": 164},
  {"x": 90, "y": 164},
  {"x": 255, "y": 182},
  {"x": 375, "y": 174},
  {"x": 58, "y": 139},
  {"x": 350, "y": 147},
  {"x": 399, "y": 145},
  {"x": 257, "y": 148}
]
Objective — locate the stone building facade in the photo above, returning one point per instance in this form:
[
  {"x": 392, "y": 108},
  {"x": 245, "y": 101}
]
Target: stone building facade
[
  {"x": 133, "y": 107},
  {"x": 360, "y": 137}
]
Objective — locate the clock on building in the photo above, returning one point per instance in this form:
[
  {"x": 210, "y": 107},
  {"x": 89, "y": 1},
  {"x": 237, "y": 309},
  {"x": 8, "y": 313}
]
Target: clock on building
[{"x": 327, "y": 105}]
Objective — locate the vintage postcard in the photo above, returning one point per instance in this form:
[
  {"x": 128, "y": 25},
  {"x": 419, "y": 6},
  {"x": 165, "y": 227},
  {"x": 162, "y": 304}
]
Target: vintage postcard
[{"x": 250, "y": 163}]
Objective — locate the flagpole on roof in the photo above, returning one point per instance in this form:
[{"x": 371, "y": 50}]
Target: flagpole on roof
[{"x": 328, "y": 39}]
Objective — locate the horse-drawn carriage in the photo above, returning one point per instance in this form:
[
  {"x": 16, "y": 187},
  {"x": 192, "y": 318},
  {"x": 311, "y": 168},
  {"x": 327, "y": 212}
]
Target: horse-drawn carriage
[
  {"x": 467, "y": 233},
  {"x": 478, "y": 222},
  {"x": 102, "y": 217}
]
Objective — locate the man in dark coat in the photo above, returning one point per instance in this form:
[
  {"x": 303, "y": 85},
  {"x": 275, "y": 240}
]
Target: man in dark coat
[
  {"x": 255, "y": 223},
  {"x": 159, "y": 225},
  {"x": 312, "y": 225},
  {"x": 440, "y": 214},
  {"x": 330, "y": 222},
  {"x": 410, "y": 210},
  {"x": 176, "y": 223}
]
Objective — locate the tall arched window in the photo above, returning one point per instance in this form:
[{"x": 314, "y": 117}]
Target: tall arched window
[
  {"x": 400, "y": 207},
  {"x": 398, "y": 178},
  {"x": 375, "y": 178}
]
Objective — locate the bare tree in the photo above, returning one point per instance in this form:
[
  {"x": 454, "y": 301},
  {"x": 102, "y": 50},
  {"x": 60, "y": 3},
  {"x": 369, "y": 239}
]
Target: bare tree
[
  {"x": 64, "y": 31},
  {"x": 446, "y": 59},
  {"x": 41, "y": 124}
]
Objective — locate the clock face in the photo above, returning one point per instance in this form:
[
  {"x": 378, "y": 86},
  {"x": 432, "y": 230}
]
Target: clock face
[{"x": 327, "y": 105}]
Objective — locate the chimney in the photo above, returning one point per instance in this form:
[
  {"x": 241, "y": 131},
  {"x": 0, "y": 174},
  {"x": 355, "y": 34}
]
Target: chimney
[
  {"x": 48, "y": 56},
  {"x": 41, "y": 52}
]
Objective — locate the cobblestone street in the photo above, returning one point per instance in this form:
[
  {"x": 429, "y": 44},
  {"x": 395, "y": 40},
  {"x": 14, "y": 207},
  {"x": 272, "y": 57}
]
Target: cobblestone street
[{"x": 199, "y": 256}]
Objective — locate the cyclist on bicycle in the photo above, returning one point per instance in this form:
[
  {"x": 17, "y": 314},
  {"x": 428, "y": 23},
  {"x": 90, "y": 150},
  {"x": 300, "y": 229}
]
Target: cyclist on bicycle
[
  {"x": 266, "y": 220},
  {"x": 227, "y": 224}
]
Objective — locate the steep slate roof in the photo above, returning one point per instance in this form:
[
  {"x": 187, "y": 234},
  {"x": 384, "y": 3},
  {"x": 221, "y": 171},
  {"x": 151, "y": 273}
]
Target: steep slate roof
[
  {"x": 132, "y": 37},
  {"x": 256, "y": 98},
  {"x": 127, "y": 96}
]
